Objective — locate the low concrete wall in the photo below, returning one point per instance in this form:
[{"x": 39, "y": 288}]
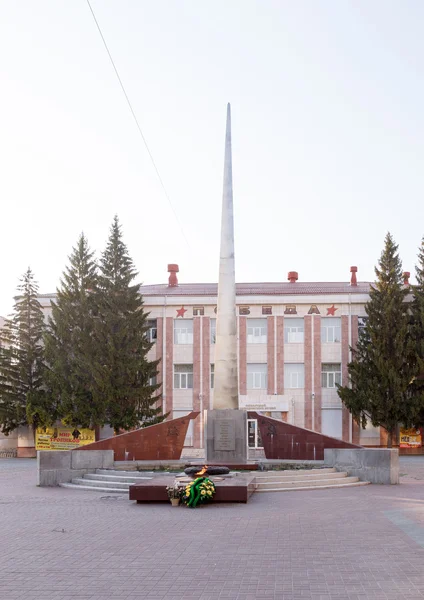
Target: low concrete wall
[
  {"x": 62, "y": 466},
  {"x": 377, "y": 465}
]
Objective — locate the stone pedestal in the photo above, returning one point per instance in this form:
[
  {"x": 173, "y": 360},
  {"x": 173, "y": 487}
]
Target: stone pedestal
[{"x": 226, "y": 436}]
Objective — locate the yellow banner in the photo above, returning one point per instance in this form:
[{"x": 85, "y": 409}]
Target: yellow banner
[
  {"x": 410, "y": 438},
  {"x": 62, "y": 438}
]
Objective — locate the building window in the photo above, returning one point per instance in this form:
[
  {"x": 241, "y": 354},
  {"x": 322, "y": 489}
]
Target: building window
[
  {"x": 257, "y": 376},
  {"x": 267, "y": 310},
  {"x": 212, "y": 376},
  {"x": 331, "y": 329},
  {"x": 244, "y": 310},
  {"x": 331, "y": 374},
  {"x": 152, "y": 332},
  {"x": 293, "y": 331},
  {"x": 256, "y": 331},
  {"x": 294, "y": 375},
  {"x": 213, "y": 331},
  {"x": 183, "y": 331},
  {"x": 183, "y": 377},
  {"x": 198, "y": 311},
  {"x": 362, "y": 323}
]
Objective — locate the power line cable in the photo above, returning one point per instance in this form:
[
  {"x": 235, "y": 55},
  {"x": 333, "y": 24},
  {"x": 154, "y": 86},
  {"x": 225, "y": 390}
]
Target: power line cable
[{"x": 137, "y": 123}]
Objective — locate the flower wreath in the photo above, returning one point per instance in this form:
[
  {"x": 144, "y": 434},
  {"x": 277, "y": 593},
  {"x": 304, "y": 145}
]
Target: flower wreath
[{"x": 200, "y": 490}]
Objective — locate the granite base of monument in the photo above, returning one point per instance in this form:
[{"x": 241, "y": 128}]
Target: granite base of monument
[{"x": 226, "y": 436}]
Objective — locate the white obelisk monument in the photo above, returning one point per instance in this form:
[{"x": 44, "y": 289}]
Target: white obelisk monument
[{"x": 226, "y": 425}]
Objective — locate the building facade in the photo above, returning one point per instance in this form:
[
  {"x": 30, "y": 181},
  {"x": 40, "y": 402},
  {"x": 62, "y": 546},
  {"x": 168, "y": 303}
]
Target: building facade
[{"x": 294, "y": 341}]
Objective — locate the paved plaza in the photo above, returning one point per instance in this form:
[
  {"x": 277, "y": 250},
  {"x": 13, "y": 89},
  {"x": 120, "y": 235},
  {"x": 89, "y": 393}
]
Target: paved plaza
[{"x": 356, "y": 543}]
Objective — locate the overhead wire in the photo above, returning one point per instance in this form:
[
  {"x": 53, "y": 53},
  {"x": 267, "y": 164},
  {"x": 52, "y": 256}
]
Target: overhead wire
[{"x": 137, "y": 123}]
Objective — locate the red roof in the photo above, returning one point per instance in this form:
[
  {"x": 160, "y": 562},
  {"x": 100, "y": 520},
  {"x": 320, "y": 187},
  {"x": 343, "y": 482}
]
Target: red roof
[{"x": 257, "y": 289}]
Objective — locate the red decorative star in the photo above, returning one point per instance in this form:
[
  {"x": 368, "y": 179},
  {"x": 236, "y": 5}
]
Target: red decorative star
[
  {"x": 331, "y": 310},
  {"x": 181, "y": 311}
]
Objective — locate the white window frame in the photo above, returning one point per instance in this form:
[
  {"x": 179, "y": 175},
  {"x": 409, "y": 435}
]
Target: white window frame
[
  {"x": 212, "y": 379},
  {"x": 294, "y": 332},
  {"x": 183, "y": 331},
  {"x": 330, "y": 377},
  {"x": 257, "y": 331},
  {"x": 152, "y": 332},
  {"x": 257, "y": 376},
  {"x": 294, "y": 379},
  {"x": 183, "y": 377},
  {"x": 331, "y": 330}
]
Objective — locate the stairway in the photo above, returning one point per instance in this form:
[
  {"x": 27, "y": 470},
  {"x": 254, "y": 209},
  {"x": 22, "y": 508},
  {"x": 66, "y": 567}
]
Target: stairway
[
  {"x": 117, "y": 482},
  {"x": 107, "y": 480},
  {"x": 308, "y": 479}
]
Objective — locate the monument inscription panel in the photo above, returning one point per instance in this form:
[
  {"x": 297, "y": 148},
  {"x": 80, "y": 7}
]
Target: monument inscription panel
[{"x": 224, "y": 435}]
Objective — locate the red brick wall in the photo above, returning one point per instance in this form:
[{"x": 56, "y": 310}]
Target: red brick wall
[
  {"x": 243, "y": 356},
  {"x": 271, "y": 354},
  {"x": 280, "y": 355},
  {"x": 206, "y": 344},
  {"x": 345, "y": 375},
  {"x": 159, "y": 351},
  {"x": 308, "y": 371},
  {"x": 317, "y": 371},
  {"x": 169, "y": 360}
]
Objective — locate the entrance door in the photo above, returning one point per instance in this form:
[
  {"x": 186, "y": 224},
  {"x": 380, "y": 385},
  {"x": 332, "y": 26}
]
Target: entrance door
[{"x": 254, "y": 439}]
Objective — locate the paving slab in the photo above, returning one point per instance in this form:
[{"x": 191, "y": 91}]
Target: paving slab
[{"x": 354, "y": 543}]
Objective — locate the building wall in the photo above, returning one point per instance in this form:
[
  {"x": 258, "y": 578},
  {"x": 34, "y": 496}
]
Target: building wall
[{"x": 311, "y": 405}]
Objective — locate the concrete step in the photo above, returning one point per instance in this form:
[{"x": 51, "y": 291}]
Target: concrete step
[
  {"x": 96, "y": 483},
  {"x": 124, "y": 473},
  {"x": 124, "y": 478},
  {"x": 296, "y": 483},
  {"x": 283, "y": 475},
  {"x": 316, "y": 487},
  {"x": 107, "y": 490}
]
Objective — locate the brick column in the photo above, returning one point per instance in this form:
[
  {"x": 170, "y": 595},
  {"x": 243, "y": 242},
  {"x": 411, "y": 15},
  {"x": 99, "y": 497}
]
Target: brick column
[
  {"x": 317, "y": 371},
  {"x": 271, "y": 354},
  {"x": 169, "y": 360},
  {"x": 280, "y": 355},
  {"x": 206, "y": 372},
  {"x": 196, "y": 379},
  {"x": 159, "y": 357},
  {"x": 242, "y": 356},
  {"x": 345, "y": 374},
  {"x": 355, "y": 426},
  {"x": 308, "y": 370}
]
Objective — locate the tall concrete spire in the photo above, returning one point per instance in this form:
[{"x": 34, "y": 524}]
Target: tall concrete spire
[{"x": 226, "y": 371}]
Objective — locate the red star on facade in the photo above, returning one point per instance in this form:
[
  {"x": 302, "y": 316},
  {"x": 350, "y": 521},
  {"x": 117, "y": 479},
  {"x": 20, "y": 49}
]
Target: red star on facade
[
  {"x": 331, "y": 310},
  {"x": 181, "y": 311}
]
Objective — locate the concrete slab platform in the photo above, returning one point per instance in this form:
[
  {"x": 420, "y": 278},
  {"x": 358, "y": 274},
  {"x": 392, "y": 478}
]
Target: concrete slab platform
[{"x": 238, "y": 488}]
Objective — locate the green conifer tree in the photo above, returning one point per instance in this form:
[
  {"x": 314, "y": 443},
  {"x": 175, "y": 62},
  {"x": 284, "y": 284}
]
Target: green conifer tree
[
  {"x": 417, "y": 306},
  {"x": 124, "y": 375},
  {"x": 382, "y": 370},
  {"x": 22, "y": 397},
  {"x": 70, "y": 347}
]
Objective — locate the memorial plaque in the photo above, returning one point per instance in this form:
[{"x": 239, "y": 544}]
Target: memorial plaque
[{"x": 224, "y": 435}]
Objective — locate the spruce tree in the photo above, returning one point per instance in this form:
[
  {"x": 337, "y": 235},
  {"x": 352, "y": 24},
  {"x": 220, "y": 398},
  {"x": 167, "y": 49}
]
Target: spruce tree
[
  {"x": 22, "y": 397},
  {"x": 417, "y": 306},
  {"x": 382, "y": 369},
  {"x": 124, "y": 375},
  {"x": 70, "y": 348}
]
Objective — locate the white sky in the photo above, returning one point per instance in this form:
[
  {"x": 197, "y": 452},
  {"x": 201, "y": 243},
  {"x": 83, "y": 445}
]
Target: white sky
[{"x": 328, "y": 143}]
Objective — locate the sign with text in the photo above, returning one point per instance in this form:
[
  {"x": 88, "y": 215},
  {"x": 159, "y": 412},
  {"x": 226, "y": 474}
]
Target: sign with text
[
  {"x": 410, "y": 438},
  {"x": 62, "y": 438},
  {"x": 224, "y": 436},
  {"x": 266, "y": 403}
]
